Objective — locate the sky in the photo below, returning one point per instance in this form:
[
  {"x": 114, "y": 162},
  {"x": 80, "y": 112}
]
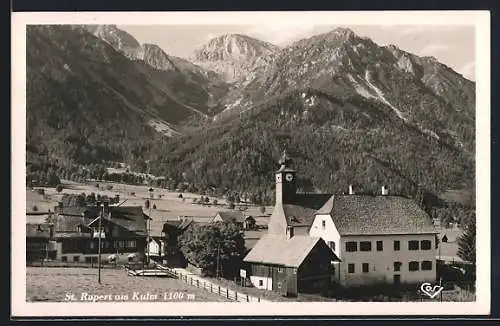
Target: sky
[{"x": 453, "y": 46}]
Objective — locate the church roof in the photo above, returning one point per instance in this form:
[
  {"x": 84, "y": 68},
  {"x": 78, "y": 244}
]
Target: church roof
[
  {"x": 300, "y": 213},
  {"x": 279, "y": 250},
  {"x": 364, "y": 214}
]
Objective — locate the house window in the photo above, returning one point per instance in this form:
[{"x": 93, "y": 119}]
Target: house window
[
  {"x": 380, "y": 245},
  {"x": 397, "y": 245},
  {"x": 64, "y": 258},
  {"x": 92, "y": 245},
  {"x": 350, "y": 268},
  {"x": 76, "y": 258},
  {"x": 261, "y": 283},
  {"x": 426, "y": 265},
  {"x": 331, "y": 244},
  {"x": 351, "y": 246},
  {"x": 412, "y": 245},
  {"x": 425, "y": 244},
  {"x": 365, "y": 246},
  {"x": 295, "y": 270},
  {"x": 280, "y": 270},
  {"x": 323, "y": 224},
  {"x": 366, "y": 267},
  {"x": 413, "y": 266},
  {"x": 88, "y": 260},
  {"x": 397, "y": 266}
]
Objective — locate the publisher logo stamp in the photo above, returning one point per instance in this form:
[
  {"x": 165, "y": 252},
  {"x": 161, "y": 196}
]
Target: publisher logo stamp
[{"x": 431, "y": 290}]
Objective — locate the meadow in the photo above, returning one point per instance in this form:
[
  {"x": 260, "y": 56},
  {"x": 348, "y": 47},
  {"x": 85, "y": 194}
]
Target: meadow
[
  {"x": 168, "y": 205},
  {"x": 56, "y": 284}
]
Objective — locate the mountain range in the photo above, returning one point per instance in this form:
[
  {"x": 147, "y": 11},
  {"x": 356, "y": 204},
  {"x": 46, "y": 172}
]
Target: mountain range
[{"x": 349, "y": 110}]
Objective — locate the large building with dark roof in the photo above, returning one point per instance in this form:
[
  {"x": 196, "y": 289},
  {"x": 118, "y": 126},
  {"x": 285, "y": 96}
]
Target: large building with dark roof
[
  {"x": 374, "y": 238},
  {"x": 379, "y": 239},
  {"x": 76, "y": 232}
]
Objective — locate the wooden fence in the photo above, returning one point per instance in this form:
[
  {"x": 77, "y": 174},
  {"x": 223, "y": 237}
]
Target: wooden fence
[{"x": 222, "y": 291}]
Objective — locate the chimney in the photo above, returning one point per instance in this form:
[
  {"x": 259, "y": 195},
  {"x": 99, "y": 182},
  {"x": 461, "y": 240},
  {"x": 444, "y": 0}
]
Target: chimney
[
  {"x": 385, "y": 191},
  {"x": 289, "y": 232},
  {"x": 351, "y": 192}
]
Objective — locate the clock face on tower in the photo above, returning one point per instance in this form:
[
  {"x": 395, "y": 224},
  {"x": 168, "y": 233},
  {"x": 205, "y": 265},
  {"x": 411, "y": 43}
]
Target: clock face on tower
[
  {"x": 278, "y": 177},
  {"x": 289, "y": 177}
]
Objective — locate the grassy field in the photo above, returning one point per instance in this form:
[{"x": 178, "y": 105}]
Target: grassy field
[
  {"x": 56, "y": 284},
  {"x": 168, "y": 207}
]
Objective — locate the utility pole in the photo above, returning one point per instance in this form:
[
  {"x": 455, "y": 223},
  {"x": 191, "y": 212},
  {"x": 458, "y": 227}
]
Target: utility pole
[
  {"x": 218, "y": 253},
  {"x": 149, "y": 226},
  {"x": 101, "y": 215}
]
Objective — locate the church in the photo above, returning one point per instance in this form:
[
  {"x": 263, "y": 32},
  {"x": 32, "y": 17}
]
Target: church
[
  {"x": 315, "y": 240},
  {"x": 287, "y": 259}
]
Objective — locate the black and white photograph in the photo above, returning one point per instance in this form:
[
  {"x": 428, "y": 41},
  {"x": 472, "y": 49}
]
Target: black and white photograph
[{"x": 174, "y": 160}]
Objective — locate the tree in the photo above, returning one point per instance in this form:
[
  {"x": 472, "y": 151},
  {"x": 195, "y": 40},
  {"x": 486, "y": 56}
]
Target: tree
[
  {"x": 59, "y": 188},
  {"x": 215, "y": 202},
  {"x": 201, "y": 244},
  {"x": 52, "y": 179},
  {"x": 467, "y": 243}
]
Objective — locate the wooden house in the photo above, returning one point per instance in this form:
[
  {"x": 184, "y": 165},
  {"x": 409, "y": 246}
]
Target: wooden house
[
  {"x": 123, "y": 234},
  {"x": 39, "y": 244},
  {"x": 243, "y": 221},
  {"x": 172, "y": 230},
  {"x": 291, "y": 264}
]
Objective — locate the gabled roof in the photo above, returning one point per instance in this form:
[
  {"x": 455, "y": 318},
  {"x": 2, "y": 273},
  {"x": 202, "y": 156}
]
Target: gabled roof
[
  {"x": 78, "y": 210},
  {"x": 311, "y": 200},
  {"x": 300, "y": 213},
  {"x": 38, "y": 230},
  {"x": 279, "y": 250},
  {"x": 130, "y": 218},
  {"x": 365, "y": 214},
  {"x": 177, "y": 224},
  {"x": 231, "y": 216}
]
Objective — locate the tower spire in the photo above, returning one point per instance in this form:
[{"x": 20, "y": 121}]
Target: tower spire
[{"x": 284, "y": 160}]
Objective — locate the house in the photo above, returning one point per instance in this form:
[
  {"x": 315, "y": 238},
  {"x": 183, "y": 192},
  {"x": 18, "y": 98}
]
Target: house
[
  {"x": 287, "y": 260},
  {"x": 172, "y": 230},
  {"x": 39, "y": 244},
  {"x": 123, "y": 236},
  {"x": 291, "y": 264},
  {"x": 155, "y": 248},
  {"x": 379, "y": 239},
  {"x": 245, "y": 222}
]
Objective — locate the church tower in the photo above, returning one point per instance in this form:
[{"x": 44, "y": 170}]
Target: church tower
[
  {"x": 286, "y": 184},
  {"x": 286, "y": 187}
]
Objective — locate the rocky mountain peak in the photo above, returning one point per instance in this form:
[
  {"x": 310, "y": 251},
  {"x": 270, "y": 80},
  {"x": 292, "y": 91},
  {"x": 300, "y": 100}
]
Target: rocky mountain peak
[
  {"x": 235, "y": 57},
  {"x": 153, "y": 55}
]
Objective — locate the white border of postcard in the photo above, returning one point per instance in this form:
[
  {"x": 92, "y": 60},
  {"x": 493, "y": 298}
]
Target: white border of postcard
[{"x": 481, "y": 21}]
